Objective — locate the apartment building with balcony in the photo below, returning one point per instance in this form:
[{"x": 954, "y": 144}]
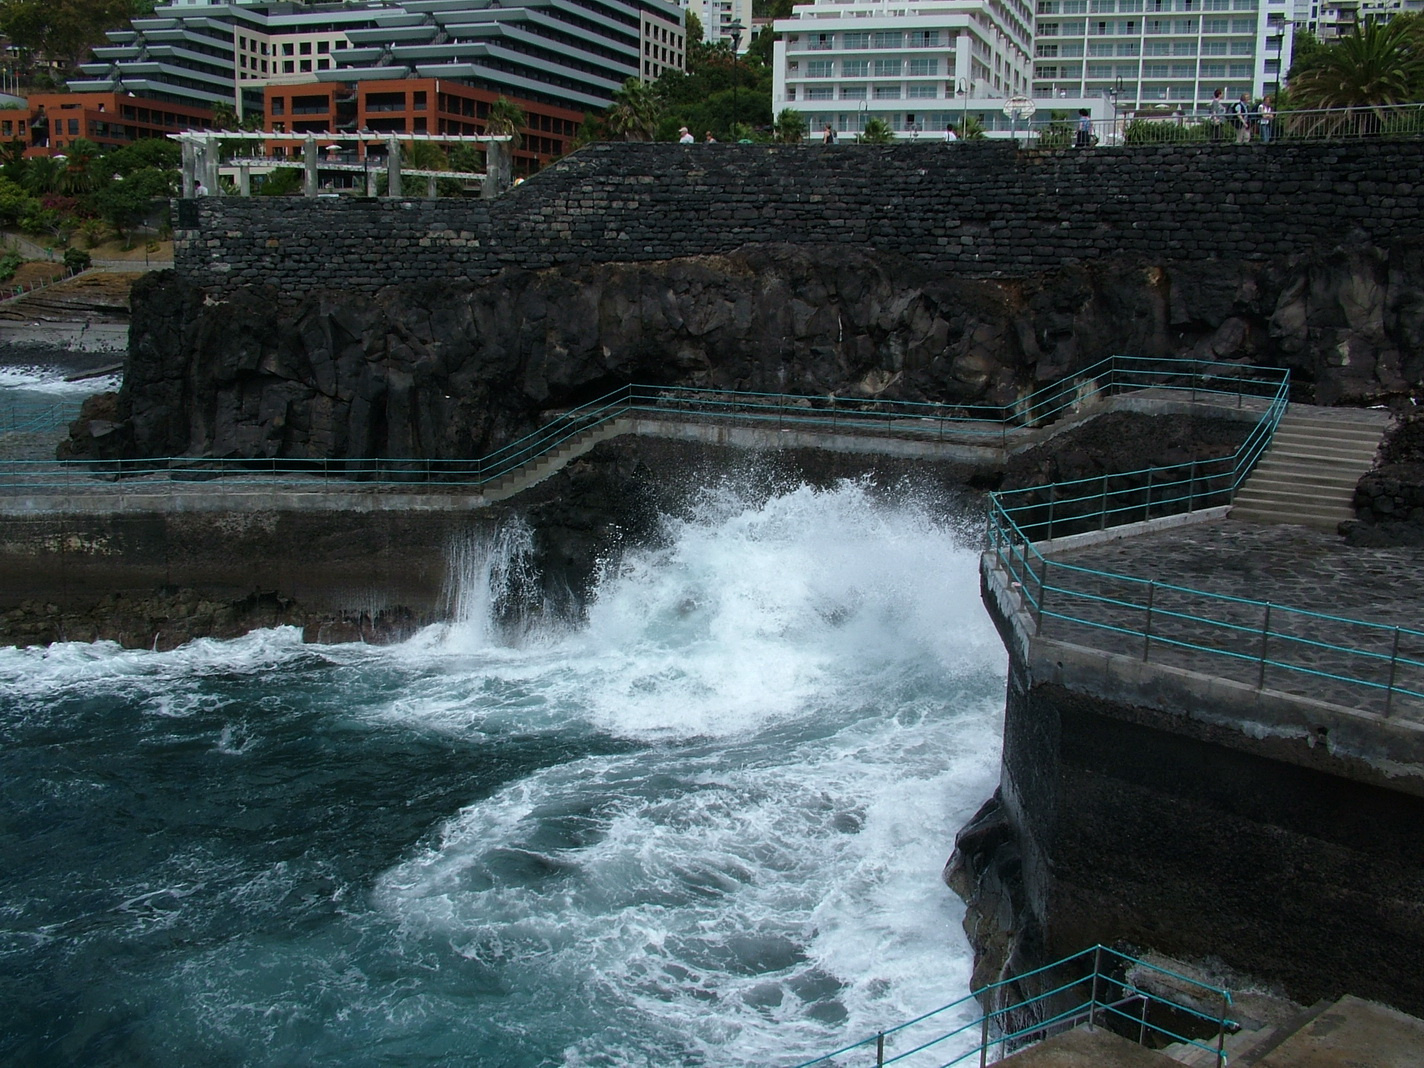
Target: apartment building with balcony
[
  {"x": 918, "y": 66},
  {"x": 1161, "y": 56},
  {"x": 571, "y": 54},
  {"x": 719, "y": 16}
]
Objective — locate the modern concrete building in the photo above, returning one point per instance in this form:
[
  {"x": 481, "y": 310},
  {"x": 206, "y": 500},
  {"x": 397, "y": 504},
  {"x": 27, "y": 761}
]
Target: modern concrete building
[
  {"x": 51, "y": 122},
  {"x": 916, "y": 64},
  {"x": 566, "y": 53},
  {"x": 1162, "y": 55}
]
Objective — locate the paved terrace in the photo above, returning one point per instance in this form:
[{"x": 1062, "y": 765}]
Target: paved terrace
[{"x": 1291, "y": 568}]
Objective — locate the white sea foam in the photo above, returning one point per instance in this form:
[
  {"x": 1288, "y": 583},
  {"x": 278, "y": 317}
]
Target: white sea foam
[
  {"x": 51, "y": 381},
  {"x": 814, "y": 690}
]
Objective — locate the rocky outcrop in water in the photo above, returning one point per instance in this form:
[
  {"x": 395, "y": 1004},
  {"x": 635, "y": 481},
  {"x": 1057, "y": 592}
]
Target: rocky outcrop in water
[{"x": 450, "y": 372}]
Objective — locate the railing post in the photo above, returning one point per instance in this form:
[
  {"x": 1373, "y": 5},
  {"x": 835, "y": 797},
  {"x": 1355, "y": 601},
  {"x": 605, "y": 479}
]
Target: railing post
[
  {"x": 1042, "y": 587},
  {"x": 1052, "y": 500},
  {"x": 984, "y": 1040},
  {"x": 1093, "y": 1001},
  {"x": 880, "y": 1050},
  {"x": 1221, "y": 1035},
  {"x": 1393, "y": 667},
  {"x": 1147, "y": 502},
  {"x": 1103, "y": 510},
  {"x": 1192, "y": 489},
  {"x": 1147, "y": 630},
  {"x": 1265, "y": 633}
]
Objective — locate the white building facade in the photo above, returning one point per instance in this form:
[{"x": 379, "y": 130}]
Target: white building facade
[
  {"x": 718, "y": 16},
  {"x": 1161, "y": 55},
  {"x": 918, "y": 66}
]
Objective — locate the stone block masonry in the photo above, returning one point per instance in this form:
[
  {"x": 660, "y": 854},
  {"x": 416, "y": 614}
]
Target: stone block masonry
[{"x": 980, "y": 210}]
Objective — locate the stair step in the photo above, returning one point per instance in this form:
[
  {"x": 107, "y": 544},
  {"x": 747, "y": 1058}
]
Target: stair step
[
  {"x": 1285, "y": 473},
  {"x": 1291, "y": 494}
]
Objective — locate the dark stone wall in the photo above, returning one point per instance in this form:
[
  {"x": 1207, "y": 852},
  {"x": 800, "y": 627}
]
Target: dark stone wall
[
  {"x": 1279, "y": 858},
  {"x": 972, "y": 209}
]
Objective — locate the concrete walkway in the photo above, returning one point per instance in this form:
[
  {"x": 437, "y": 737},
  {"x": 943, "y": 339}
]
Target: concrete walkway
[{"x": 1314, "y": 573}]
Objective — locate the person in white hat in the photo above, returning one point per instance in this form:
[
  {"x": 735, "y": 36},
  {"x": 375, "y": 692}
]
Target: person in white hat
[{"x": 684, "y": 137}]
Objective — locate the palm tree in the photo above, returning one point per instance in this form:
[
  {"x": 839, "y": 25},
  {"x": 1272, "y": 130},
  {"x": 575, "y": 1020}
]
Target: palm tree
[
  {"x": 790, "y": 126},
  {"x": 635, "y": 112},
  {"x": 507, "y": 118},
  {"x": 877, "y": 132},
  {"x": 1378, "y": 65}
]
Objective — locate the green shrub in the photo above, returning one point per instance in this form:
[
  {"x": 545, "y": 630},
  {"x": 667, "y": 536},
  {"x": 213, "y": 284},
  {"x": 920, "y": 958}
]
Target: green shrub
[
  {"x": 76, "y": 259},
  {"x": 9, "y": 264}
]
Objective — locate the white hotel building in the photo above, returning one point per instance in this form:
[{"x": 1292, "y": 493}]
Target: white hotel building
[
  {"x": 916, "y": 64},
  {"x": 1162, "y": 55}
]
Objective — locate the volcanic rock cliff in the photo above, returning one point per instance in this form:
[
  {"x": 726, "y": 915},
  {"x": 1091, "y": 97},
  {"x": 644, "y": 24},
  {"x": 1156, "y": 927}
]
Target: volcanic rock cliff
[{"x": 451, "y": 371}]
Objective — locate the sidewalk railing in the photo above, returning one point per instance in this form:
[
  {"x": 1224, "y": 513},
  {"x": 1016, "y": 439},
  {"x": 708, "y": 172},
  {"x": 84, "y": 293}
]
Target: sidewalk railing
[
  {"x": 1151, "y": 128},
  {"x": 1098, "y": 986},
  {"x": 1370, "y": 665},
  {"x": 9, "y": 292},
  {"x": 986, "y": 426}
]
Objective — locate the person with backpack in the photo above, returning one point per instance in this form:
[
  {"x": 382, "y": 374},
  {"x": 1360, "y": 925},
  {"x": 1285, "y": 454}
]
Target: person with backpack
[
  {"x": 1240, "y": 118},
  {"x": 1085, "y": 129}
]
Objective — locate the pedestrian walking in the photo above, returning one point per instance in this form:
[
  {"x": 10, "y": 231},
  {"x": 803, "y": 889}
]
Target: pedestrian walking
[
  {"x": 1217, "y": 113},
  {"x": 1241, "y": 119},
  {"x": 1266, "y": 118}
]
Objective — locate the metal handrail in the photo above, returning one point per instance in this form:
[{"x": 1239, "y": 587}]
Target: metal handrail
[
  {"x": 1257, "y": 634},
  {"x": 1144, "y": 127},
  {"x": 1109, "y": 989},
  {"x": 929, "y": 421}
]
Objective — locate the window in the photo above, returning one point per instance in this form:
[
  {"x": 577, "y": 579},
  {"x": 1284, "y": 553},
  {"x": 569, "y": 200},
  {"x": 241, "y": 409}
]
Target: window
[
  {"x": 1129, "y": 48},
  {"x": 885, "y": 39},
  {"x": 852, "y": 92},
  {"x": 1075, "y": 7},
  {"x": 305, "y": 48},
  {"x": 1045, "y": 72},
  {"x": 1100, "y": 70},
  {"x": 1100, "y": 29},
  {"x": 323, "y": 47},
  {"x": 887, "y": 92},
  {"x": 1154, "y": 70},
  {"x": 1239, "y": 70},
  {"x": 1046, "y": 51},
  {"x": 1185, "y": 26},
  {"x": 1184, "y": 70},
  {"x": 1047, "y": 7},
  {"x": 323, "y": 64},
  {"x": 1184, "y": 48},
  {"x": 820, "y": 42},
  {"x": 306, "y": 66},
  {"x": 1213, "y": 70},
  {"x": 279, "y": 106},
  {"x": 1105, "y": 6},
  {"x": 924, "y": 66},
  {"x": 887, "y": 68},
  {"x": 1048, "y": 29},
  {"x": 855, "y": 40},
  {"x": 818, "y": 92},
  {"x": 1215, "y": 26},
  {"x": 74, "y": 127},
  {"x": 1158, "y": 48},
  {"x": 1242, "y": 48},
  {"x": 1158, "y": 26},
  {"x": 922, "y": 91},
  {"x": 289, "y": 66},
  {"x": 820, "y": 68},
  {"x": 924, "y": 38},
  {"x": 1213, "y": 48},
  {"x": 855, "y": 68}
]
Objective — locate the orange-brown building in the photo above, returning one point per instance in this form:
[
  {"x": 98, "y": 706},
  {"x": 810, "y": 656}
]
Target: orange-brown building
[
  {"x": 111, "y": 120},
  {"x": 413, "y": 105}
]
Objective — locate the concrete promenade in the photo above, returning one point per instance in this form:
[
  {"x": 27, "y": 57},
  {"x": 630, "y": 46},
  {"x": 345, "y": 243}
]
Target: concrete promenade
[{"x": 1311, "y": 579}]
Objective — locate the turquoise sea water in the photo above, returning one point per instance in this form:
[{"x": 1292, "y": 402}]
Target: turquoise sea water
[{"x": 705, "y": 828}]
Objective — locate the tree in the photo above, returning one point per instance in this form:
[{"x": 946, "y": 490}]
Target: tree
[
  {"x": 1377, "y": 65},
  {"x": 157, "y": 152},
  {"x": 790, "y": 126},
  {"x": 15, "y": 202},
  {"x": 877, "y": 132},
  {"x": 507, "y": 117},
  {"x": 62, "y": 31},
  {"x": 636, "y": 109}
]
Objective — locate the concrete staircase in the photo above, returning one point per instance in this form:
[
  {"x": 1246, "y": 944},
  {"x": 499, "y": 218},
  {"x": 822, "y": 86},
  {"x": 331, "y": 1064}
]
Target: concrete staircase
[
  {"x": 523, "y": 477},
  {"x": 1308, "y": 474}
]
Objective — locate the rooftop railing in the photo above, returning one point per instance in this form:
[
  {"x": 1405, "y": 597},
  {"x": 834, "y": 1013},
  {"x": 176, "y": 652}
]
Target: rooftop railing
[{"x": 1103, "y": 987}]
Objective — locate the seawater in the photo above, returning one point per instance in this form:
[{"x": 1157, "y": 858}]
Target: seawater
[{"x": 705, "y": 827}]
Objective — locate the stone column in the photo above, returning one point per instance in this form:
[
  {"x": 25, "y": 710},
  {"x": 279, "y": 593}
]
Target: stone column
[
  {"x": 393, "y": 175},
  {"x": 497, "y": 168},
  {"x": 244, "y": 180},
  {"x": 190, "y": 167},
  {"x": 430, "y": 181},
  {"x": 309, "y": 165},
  {"x": 209, "y": 155}
]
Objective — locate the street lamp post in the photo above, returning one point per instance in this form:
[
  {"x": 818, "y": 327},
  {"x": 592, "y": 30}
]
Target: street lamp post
[
  {"x": 962, "y": 91},
  {"x": 735, "y": 30}
]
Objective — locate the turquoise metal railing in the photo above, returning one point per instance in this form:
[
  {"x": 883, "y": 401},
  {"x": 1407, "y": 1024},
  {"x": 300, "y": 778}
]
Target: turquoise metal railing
[
  {"x": 1369, "y": 664},
  {"x": 27, "y": 414},
  {"x": 1098, "y": 986},
  {"x": 986, "y": 425}
]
